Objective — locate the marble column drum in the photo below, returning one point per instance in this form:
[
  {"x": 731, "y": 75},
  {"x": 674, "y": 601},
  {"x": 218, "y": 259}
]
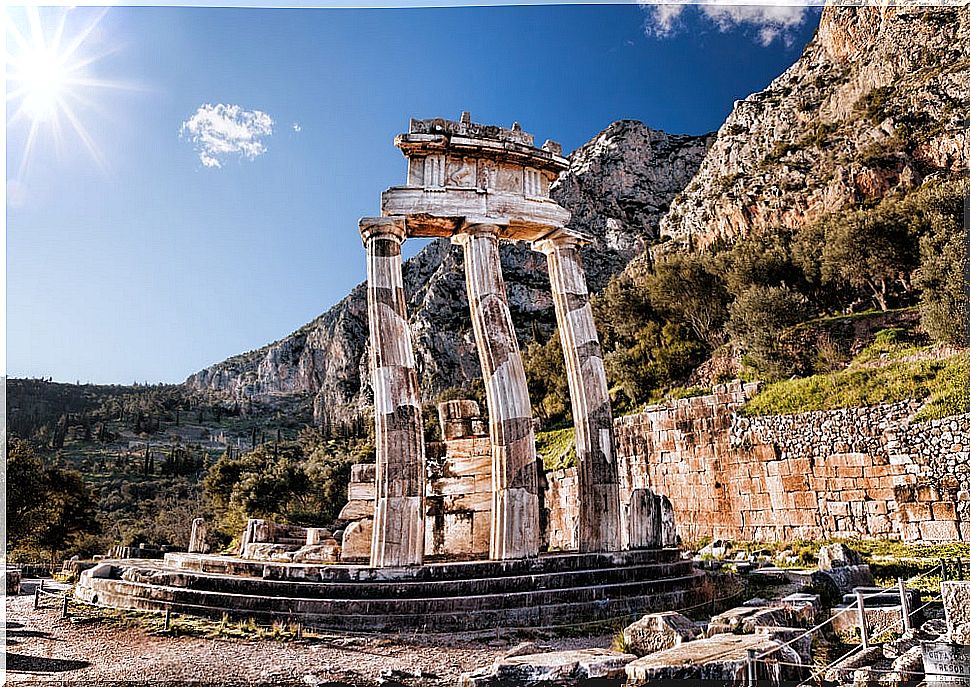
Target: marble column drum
[
  {"x": 598, "y": 479},
  {"x": 398, "y": 536},
  {"x": 515, "y": 494}
]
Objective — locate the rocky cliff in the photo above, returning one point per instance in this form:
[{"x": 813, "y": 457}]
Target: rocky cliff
[
  {"x": 618, "y": 187},
  {"x": 879, "y": 101}
]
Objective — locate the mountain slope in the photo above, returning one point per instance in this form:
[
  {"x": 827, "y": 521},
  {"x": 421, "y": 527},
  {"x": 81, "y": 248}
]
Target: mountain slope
[
  {"x": 879, "y": 101},
  {"x": 618, "y": 187}
]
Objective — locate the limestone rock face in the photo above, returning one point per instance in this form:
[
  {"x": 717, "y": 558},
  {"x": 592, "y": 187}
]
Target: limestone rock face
[
  {"x": 617, "y": 187},
  {"x": 877, "y": 102}
]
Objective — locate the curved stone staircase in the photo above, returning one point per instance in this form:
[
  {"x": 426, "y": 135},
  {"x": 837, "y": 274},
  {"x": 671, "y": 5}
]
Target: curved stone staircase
[{"x": 553, "y": 590}]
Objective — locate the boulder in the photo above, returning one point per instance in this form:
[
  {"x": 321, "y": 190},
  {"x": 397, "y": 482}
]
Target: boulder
[
  {"x": 658, "y": 631},
  {"x": 556, "y": 667}
]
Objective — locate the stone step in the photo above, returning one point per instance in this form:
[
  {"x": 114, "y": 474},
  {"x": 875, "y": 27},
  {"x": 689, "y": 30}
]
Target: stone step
[
  {"x": 465, "y": 603},
  {"x": 561, "y": 607},
  {"x": 555, "y": 562},
  {"x": 404, "y": 589}
]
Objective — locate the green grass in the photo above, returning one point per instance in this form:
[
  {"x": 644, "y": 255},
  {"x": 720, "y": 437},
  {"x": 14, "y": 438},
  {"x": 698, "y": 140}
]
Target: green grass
[
  {"x": 944, "y": 383},
  {"x": 557, "y": 448}
]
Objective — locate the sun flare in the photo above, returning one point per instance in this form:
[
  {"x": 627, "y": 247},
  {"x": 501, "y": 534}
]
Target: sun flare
[{"x": 49, "y": 83}]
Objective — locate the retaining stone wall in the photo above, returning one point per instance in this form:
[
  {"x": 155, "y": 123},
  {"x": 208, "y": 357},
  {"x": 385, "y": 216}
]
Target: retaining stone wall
[{"x": 859, "y": 471}]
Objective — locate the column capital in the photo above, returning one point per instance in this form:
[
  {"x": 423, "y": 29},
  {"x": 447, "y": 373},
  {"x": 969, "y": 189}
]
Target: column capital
[
  {"x": 559, "y": 239},
  {"x": 378, "y": 226},
  {"x": 472, "y": 226}
]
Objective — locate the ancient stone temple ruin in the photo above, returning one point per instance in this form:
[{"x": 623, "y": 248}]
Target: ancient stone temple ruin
[
  {"x": 467, "y": 533},
  {"x": 479, "y": 185}
]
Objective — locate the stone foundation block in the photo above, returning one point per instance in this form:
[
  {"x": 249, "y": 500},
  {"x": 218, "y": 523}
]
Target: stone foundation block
[
  {"x": 659, "y": 631},
  {"x": 556, "y": 667}
]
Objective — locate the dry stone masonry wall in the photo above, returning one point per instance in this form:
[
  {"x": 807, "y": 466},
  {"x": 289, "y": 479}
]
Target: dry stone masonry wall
[{"x": 849, "y": 472}]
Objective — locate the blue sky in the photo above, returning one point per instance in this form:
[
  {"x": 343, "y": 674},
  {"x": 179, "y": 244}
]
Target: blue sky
[{"x": 133, "y": 257}]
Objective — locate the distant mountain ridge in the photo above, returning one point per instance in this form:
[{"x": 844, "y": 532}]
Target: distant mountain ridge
[{"x": 618, "y": 187}]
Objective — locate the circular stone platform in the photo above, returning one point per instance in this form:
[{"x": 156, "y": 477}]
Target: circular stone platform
[{"x": 553, "y": 590}]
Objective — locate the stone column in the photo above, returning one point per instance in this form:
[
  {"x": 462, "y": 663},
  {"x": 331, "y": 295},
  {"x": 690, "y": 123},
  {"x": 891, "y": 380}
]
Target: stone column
[
  {"x": 515, "y": 492},
  {"x": 398, "y": 537},
  {"x": 198, "y": 539},
  {"x": 599, "y": 498}
]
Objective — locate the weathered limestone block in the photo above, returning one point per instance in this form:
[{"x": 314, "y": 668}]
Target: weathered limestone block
[
  {"x": 260, "y": 531},
  {"x": 326, "y": 551},
  {"x": 356, "y": 510},
  {"x": 356, "y": 545},
  {"x": 399, "y": 435},
  {"x": 834, "y": 556},
  {"x": 794, "y": 637},
  {"x": 363, "y": 472},
  {"x": 198, "y": 539},
  {"x": 744, "y": 620},
  {"x": 599, "y": 498},
  {"x": 457, "y": 419},
  {"x": 515, "y": 506},
  {"x": 956, "y": 602},
  {"x": 267, "y": 551},
  {"x": 13, "y": 581},
  {"x": 643, "y": 520},
  {"x": 658, "y": 631},
  {"x": 668, "y": 528},
  {"x": 847, "y": 577},
  {"x": 556, "y": 667},
  {"x": 721, "y": 658},
  {"x": 318, "y": 535}
]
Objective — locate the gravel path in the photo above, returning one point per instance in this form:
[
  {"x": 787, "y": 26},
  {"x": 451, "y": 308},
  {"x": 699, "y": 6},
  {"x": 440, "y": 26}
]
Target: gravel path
[{"x": 41, "y": 648}]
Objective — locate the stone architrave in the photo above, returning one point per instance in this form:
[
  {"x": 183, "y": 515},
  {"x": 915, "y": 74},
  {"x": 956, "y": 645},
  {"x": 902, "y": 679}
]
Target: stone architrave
[
  {"x": 398, "y": 536},
  {"x": 515, "y": 531},
  {"x": 197, "y": 539},
  {"x": 599, "y": 495}
]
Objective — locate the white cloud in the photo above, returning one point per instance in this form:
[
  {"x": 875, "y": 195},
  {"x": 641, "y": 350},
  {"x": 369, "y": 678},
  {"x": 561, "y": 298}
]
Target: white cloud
[
  {"x": 296, "y": 127},
  {"x": 221, "y": 131},
  {"x": 664, "y": 18},
  {"x": 770, "y": 22}
]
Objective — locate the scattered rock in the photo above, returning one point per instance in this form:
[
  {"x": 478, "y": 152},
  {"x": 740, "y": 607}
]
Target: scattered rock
[
  {"x": 721, "y": 658},
  {"x": 556, "y": 667},
  {"x": 837, "y": 556},
  {"x": 658, "y": 631},
  {"x": 719, "y": 548}
]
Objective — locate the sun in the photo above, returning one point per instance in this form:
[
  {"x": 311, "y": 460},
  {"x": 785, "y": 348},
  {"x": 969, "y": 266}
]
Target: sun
[
  {"x": 44, "y": 75},
  {"x": 49, "y": 80}
]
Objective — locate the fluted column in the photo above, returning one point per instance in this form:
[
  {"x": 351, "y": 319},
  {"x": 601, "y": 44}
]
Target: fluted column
[
  {"x": 599, "y": 498},
  {"x": 515, "y": 500},
  {"x": 398, "y": 537}
]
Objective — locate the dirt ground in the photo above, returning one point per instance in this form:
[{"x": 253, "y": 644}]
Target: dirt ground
[{"x": 44, "y": 649}]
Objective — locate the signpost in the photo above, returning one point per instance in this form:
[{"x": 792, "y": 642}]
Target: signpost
[{"x": 946, "y": 662}]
